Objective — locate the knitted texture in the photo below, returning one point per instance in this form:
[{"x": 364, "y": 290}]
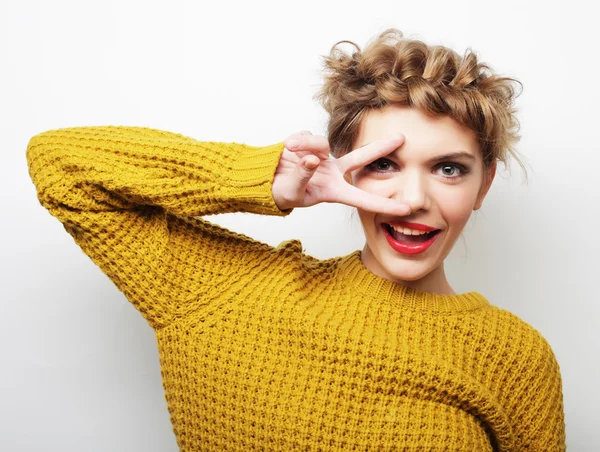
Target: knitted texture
[{"x": 268, "y": 348}]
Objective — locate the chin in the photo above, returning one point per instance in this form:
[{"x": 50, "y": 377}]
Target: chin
[
  {"x": 397, "y": 267},
  {"x": 406, "y": 271}
]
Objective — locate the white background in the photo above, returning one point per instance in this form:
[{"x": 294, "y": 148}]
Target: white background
[{"x": 79, "y": 365}]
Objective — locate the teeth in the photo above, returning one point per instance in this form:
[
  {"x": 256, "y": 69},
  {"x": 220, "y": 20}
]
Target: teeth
[{"x": 407, "y": 231}]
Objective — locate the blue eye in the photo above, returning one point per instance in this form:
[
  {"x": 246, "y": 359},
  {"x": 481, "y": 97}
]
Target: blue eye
[
  {"x": 463, "y": 170},
  {"x": 380, "y": 166},
  {"x": 383, "y": 165}
]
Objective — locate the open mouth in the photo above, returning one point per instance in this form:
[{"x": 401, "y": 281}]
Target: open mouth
[{"x": 404, "y": 238}]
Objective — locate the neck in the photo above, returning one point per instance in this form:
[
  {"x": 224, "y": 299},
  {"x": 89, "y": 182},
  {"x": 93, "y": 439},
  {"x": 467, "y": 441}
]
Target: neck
[
  {"x": 360, "y": 282},
  {"x": 434, "y": 282}
]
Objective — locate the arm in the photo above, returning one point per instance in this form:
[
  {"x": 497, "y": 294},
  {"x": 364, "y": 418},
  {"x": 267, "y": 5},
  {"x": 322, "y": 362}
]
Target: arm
[
  {"x": 128, "y": 196},
  {"x": 537, "y": 408}
]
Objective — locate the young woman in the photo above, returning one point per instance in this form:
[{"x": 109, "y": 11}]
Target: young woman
[{"x": 268, "y": 348}]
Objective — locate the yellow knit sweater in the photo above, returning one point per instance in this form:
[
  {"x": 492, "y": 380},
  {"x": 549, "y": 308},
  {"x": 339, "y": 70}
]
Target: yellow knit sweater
[{"x": 268, "y": 348}]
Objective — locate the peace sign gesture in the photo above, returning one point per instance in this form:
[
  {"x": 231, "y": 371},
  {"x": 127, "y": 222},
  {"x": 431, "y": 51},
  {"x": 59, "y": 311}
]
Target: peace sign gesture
[{"x": 308, "y": 175}]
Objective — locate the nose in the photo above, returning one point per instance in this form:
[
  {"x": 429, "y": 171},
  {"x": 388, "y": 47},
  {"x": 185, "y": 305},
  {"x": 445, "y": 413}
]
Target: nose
[{"x": 411, "y": 189}]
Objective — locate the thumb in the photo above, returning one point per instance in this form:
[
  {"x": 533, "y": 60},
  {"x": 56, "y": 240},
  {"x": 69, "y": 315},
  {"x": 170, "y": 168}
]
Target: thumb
[{"x": 306, "y": 168}]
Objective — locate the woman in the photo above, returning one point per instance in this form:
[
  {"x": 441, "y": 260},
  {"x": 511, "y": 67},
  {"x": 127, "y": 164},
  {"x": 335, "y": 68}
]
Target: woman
[{"x": 266, "y": 347}]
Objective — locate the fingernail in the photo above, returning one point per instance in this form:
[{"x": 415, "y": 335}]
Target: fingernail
[{"x": 310, "y": 164}]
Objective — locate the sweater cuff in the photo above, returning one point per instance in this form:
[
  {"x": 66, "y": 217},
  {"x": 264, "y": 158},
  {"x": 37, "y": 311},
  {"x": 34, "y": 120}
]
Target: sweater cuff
[{"x": 251, "y": 179}]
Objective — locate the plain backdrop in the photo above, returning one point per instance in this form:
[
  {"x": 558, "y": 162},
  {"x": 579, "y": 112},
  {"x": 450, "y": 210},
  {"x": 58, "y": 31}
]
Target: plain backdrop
[{"x": 79, "y": 367}]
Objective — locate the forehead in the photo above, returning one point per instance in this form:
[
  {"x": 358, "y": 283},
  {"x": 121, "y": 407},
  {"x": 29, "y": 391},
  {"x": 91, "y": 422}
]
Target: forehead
[{"x": 421, "y": 131}]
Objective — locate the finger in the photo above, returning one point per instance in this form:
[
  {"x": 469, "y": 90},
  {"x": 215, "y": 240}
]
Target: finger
[
  {"x": 297, "y": 135},
  {"x": 311, "y": 161},
  {"x": 301, "y": 133},
  {"x": 355, "y": 197},
  {"x": 368, "y": 153},
  {"x": 315, "y": 144},
  {"x": 306, "y": 167}
]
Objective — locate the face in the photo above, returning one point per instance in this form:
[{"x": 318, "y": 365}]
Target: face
[{"x": 442, "y": 193}]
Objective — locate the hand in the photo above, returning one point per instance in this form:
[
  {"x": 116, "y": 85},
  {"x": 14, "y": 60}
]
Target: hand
[{"x": 307, "y": 175}]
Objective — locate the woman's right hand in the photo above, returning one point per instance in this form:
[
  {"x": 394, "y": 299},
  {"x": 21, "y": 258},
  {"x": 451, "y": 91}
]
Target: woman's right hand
[{"x": 308, "y": 175}]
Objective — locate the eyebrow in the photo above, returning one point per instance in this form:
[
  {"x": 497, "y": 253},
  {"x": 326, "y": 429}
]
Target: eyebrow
[{"x": 449, "y": 156}]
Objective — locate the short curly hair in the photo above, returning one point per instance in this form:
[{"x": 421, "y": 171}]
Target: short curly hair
[{"x": 394, "y": 70}]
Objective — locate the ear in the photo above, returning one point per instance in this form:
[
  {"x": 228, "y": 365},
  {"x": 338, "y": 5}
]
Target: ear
[{"x": 489, "y": 175}]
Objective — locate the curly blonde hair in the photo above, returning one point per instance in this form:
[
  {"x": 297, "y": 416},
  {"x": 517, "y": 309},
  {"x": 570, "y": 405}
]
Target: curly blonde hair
[{"x": 394, "y": 70}]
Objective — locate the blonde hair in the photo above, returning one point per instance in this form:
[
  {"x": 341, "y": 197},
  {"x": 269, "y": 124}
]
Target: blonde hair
[{"x": 393, "y": 70}]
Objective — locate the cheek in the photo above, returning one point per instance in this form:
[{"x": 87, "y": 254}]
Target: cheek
[
  {"x": 381, "y": 187},
  {"x": 456, "y": 206},
  {"x": 385, "y": 188},
  {"x": 453, "y": 202},
  {"x": 369, "y": 185},
  {"x": 366, "y": 218}
]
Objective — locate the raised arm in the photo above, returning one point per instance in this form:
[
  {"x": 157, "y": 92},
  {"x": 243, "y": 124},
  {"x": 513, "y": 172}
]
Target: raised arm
[{"x": 129, "y": 196}]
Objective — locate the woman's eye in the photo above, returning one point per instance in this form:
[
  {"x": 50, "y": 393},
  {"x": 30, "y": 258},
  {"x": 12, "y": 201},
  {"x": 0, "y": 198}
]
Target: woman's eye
[
  {"x": 380, "y": 166},
  {"x": 449, "y": 171},
  {"x": 452, "y": 174}
]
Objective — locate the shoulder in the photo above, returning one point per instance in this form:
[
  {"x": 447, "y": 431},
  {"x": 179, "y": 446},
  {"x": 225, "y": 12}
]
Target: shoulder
[
  {"x": 512, "y": 349},
  {"x": 521, "y": 333},
  {"x": 520, "y": 357},
  {"x": 524, "y": 374},
  {"x": 514, "y": 339}
]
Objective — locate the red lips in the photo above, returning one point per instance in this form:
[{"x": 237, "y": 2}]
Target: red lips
[{"x": 408, "y": 248}]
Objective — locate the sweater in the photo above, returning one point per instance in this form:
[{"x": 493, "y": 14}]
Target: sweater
[{"x": 267, "y": 348}]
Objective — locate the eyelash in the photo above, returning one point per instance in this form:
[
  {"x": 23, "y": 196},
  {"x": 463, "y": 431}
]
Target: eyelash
[{"x": 463, "y": 169}]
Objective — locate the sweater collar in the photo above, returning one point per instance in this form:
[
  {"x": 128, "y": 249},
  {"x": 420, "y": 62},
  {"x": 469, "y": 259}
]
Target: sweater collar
[{"x": 361, "y": 279}]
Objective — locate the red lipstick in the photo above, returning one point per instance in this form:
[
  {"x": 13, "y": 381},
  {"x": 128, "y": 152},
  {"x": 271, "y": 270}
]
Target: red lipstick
[{"x": 409, "y": 248}]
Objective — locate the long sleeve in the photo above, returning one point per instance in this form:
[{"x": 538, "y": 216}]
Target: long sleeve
[
  {"x": 130, "y": 198},
  {"x": 536, "y": 399}
]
